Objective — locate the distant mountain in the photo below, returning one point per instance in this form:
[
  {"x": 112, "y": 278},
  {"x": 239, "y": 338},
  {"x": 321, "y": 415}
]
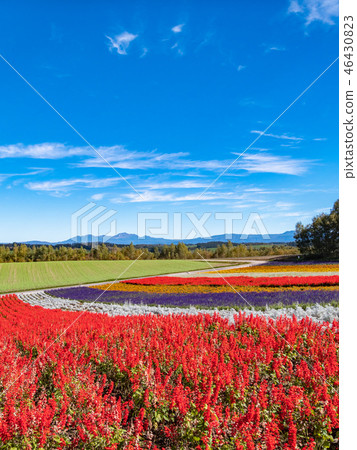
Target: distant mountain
[
  {"x": 127, "y": 238},
  {"x": 288, "y": 236},
  {"x": 35, "y": 243}
]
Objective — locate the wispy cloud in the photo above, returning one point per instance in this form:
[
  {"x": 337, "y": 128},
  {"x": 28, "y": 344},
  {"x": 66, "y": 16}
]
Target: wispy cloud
[
  {"x": 289, "y": 191},
  {"x": 261, "y": 163},
  {"x": 177, "y": 48},
  {"x": 97, "y": 197},
  {"x": 284, "y": 205},
  {"x": 274, "y": 48},
  {"x": 221, "y": 196},
  {"x": 278, "y": 136},
  {"x": 64, "y": 187},
  {"x": 120, "y": 157},
  {"x": 121, "y": 42},
  {"x": 178, "y": 28},
  {"x": 34, "y": 171},
  {"x": 144, "y": 52},
  {"x": 240, "y": 67},
  {"x": 259, "y": 149},
  {"x": 320, "y": 139},
  {"x": 185, "y": 184},
  {"x": 265, "y": 163},
  {"x": 295, "y": 7},
  {"x": 156, "y": 196},
  {"x": 46, "y": 150},
  {"x": 315, "y": 10}
]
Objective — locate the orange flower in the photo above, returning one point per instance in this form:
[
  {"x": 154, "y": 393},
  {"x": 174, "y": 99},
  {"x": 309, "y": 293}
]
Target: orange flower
[
  {"x": 163, "y": 289},
  {"x": 281, "y": 268}
]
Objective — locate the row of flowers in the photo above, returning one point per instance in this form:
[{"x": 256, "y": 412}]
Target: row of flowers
[
  {"x": 237, "y": 281},
  {"x": 216, "y": 300},
  {"x": 283, "y": 268},
  {"x": 188, "y": 289},
  {"x": 73, "y": 380}
]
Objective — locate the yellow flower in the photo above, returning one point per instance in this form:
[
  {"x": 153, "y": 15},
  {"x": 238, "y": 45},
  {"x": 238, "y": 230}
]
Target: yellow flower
[
  {"x": 186, "y": 289},
  {"x": 282, "y": 268}
]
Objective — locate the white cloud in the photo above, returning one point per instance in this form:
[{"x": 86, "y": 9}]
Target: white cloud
[
  {"x": 117, "y": 155},
  {"x": 97, "y": 197},
  {"x": 178, "y": 28},
  {"x": 4, "y": 176},
  {"x": 58, "y": 187},
  {"x": 275, "y": 48},
  {"x": 315, "y": 10},
  {"x": 155, "y": 196},
  {"x": 45, "y": 150},
  {"x": 121, "y": 42},
  {"x": 295, "y": 214},
  {"x": 35, "y": 171},
  {"x": 121, "y": 158},
  {"x": 295, "y": 7},
  {"x": 320, "y": 139},
  {"x": 144, "y": 52},
  {"x": 240, "y": 67},
  {"x": 186, "y": 184},
  {"x": 265, "y": 163},
  {"x": 288, "y": 191},
  {"x": 178, "y": 49},
  {"x": 284, "y": 205},
  {"x": 278, "y": 136},
  {"x": 243, "y": 197}
]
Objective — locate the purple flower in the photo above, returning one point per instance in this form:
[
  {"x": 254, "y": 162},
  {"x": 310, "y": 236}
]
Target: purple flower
[{"x": 224, "y": 299}]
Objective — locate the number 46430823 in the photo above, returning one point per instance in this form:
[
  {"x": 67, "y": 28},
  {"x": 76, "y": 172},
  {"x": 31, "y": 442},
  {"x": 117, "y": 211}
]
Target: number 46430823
[{"x": 348, "y": 44}]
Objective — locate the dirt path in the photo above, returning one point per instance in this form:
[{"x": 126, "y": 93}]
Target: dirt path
[{"x": 246, "y": 263}]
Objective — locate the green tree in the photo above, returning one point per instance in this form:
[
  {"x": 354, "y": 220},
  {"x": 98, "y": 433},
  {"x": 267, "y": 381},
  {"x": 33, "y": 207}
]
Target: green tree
[
  {"x": 172, "y": 251},
  {"x": 230, "y": 249},
  {"x": 182, "y": 251},
  {"x": 320, "y": 239}
]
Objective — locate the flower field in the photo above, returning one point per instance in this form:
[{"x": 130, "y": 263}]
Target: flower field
[
  {"x": 199, "y": 299},
  {"x": 167, "y": 382},
  {"x": 174, "y": 362},
  {"x": 186, "y": 288},
  {"x": 239, "y": 281},
  {"x": 204, "y": 291},
  {"x": 264, "y": 268}
]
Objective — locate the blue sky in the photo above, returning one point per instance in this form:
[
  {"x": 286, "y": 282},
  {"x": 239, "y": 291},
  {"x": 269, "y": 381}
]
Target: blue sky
[{"x": 169, "y": 93}]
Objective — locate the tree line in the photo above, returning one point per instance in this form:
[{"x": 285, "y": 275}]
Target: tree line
[
  {"x": 25, "y": 253},
  {"x": 320, "y": 238}
]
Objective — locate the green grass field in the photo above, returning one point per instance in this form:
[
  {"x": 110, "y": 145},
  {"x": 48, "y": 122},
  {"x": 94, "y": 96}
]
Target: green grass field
[{"x": 15, "y": 277}]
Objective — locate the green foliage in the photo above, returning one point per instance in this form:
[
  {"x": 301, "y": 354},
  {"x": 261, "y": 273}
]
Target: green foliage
[
  {"x": 230, "y": 250},
  {"x": 320, "y": 239},
  {"x": 104, "y": 252}
]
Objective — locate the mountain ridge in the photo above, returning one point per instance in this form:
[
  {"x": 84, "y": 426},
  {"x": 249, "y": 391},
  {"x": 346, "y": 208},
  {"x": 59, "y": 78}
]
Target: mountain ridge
[{"x": 127, "y": 238}]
